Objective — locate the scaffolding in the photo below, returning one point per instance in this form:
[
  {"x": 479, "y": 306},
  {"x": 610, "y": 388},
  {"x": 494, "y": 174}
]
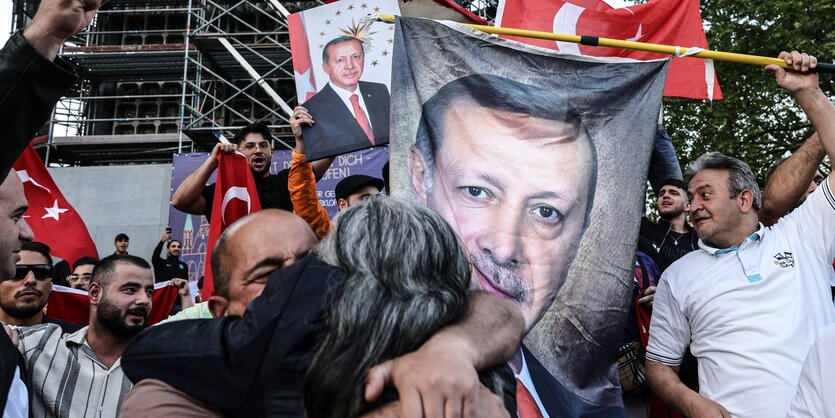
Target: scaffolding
[{"x": 160, "y": 77}]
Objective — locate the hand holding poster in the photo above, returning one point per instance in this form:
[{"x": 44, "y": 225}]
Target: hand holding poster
[
  {"x": 538, "y": 161},
  {"x": 345, "y": 59}
]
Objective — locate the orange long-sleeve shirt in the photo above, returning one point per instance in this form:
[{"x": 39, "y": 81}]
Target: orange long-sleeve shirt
[{"x": 301, "y": 183}]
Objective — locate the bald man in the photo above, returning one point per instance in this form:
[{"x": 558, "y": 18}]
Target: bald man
[{"x": 245, "y": 255}]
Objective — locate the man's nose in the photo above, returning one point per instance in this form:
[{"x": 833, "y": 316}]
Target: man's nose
[
  {"x": 29, "y": 280},
  {"x": 503, "y": 236},
  {"x": 25, "y": 234},
  {"x": 144, "y": 299}
]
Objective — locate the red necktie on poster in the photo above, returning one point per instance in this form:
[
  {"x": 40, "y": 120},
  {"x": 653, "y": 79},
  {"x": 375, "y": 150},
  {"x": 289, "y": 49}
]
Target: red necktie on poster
[
  {"x": 73, "y": 305},
  {"x": 52, "y": 219},
  {"x": 362, "y": 119},
  {"x": 235, "y": 197},
  {"x": 669, "y": 22},
  {"x": 525, "y": 403}
]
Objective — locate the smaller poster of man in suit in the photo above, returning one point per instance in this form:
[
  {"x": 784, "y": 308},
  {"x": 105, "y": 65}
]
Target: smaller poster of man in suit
[{"x": 349, "y": 114}]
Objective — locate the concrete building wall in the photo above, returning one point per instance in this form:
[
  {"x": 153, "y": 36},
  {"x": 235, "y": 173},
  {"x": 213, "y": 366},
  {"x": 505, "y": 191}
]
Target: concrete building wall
[{"x": 133, "y": 199}]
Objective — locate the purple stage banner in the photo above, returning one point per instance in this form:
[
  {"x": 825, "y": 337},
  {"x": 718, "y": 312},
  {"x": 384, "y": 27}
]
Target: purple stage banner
[{"x": 193, "y": 230}]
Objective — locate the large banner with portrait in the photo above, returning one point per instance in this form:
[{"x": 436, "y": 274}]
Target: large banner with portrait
[
  {"x": 193, "y": 230},
  {"x": 539, "y": 162},
  {"x": 342, "y": 66}
]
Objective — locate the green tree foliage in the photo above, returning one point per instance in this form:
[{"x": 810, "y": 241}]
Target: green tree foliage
[{"x": 756, "y": 122}]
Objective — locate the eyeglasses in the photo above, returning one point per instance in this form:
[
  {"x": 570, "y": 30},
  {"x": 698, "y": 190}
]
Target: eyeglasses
[
  {"x": 41, "y": 271},
  {"x": 249, "y": 146},
  {"x": 86, "y": 277}
]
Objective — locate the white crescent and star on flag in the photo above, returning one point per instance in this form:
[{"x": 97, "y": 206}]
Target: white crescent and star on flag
[
  {"x": 54, "y": 212},
  {"x": 24, "y": 178},
  {"x": 235, "y": 192}
]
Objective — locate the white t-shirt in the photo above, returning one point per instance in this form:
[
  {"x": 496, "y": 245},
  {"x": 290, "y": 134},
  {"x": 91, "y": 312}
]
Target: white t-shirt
[
  {"x": 750, "y": 314},
  {"x": 815, "y": 391}
]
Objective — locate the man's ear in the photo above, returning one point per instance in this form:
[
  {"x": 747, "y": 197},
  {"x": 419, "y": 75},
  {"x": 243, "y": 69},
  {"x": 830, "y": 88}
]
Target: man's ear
[
  {"x": 218, "y": 306},
  {"x": 343, "y": 203},
  {"x": 94, "y": 293},
  {"x": 746, "y": 201},
  {"x": 417, "y": 174}
]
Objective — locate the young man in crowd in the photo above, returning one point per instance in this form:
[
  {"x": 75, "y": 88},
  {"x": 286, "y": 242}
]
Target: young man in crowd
[
  {"x": 255, "y": 142},
  {"x": 82, "y": 273},
  {"x": 121, "y": 243},
  {"x": 169, "y": 267}
]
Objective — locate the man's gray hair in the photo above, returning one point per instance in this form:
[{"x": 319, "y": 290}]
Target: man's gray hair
[
  {"x": 406, "y": 276},
  {"x": 740, "y": 176}
]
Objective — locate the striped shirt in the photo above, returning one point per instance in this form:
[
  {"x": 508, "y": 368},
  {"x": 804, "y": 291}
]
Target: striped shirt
[{"x": 65, "y": 377}]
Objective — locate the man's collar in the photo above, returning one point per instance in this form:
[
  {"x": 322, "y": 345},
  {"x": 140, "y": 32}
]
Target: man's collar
[
  {"x": 78, "y": 337},
  {"x": 754, "y": 237},
  {"x": 344, "y": 94}
]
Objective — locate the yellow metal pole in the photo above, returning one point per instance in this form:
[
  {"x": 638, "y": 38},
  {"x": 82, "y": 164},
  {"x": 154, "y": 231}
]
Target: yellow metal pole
[{"x": 637, "y": 46}]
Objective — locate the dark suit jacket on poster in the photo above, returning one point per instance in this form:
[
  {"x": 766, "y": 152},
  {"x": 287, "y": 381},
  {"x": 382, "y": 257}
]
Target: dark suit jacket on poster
[
  {"x": 558, "y": 401},
  {"x": 336, "y": 131}
]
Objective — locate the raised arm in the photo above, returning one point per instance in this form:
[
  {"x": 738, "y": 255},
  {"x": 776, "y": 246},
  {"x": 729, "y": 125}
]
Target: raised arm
[
  {"x": 301, "y": 181},
  {"x": 805, "y": 88},
  {"x": 441, "y": 377},
  {"x": 156, "y": 258},
  {"x": 31, "y": 79},
  {"x": 189, "y": 196},
  {"x": 790, "y": 179}
]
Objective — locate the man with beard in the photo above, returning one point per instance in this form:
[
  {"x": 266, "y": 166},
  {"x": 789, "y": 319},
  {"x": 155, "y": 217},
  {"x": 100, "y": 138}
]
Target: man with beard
[
  {"x": 672, "y": 237},
  {"x": 80, "y": 374},
  {"x": 170, "y": 267},
  {"x": 24, "y": 295},
  {"x": 255, "y": 142}
]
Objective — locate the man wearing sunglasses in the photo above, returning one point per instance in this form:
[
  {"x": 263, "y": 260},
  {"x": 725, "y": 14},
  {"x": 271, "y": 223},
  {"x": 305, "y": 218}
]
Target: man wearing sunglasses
[{"x": 24, "y": 296}]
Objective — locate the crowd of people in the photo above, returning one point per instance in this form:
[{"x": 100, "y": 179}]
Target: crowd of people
[{"x": 733, "y": 290}]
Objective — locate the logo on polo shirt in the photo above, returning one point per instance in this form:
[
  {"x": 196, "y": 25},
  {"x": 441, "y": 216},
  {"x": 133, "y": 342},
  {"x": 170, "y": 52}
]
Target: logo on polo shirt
[{"x": 784, "y": 259}]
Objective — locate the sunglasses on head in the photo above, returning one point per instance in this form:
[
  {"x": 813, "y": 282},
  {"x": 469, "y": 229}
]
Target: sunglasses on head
[{"x": 41, "y": 271}]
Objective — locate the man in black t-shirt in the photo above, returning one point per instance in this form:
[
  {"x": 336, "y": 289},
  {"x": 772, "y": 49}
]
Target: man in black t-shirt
[
  {"x": 169, "y": 267},
  {"x": 255, "y": 142},
  {"x": 672, "y": 237}
]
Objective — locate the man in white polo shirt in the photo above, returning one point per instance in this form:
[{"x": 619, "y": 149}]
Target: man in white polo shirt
[{"x": 751, "y": 301}]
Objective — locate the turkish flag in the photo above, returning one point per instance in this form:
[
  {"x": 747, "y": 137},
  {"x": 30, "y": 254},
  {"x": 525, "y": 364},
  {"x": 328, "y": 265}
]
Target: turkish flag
[
  {"x": 668, "y": 22},
  {"x": 305, "y": 80},
  {"x": 52, "y": 219},
  {"x": 235, "y": 197},
  {"x": 73, "y": 305}
]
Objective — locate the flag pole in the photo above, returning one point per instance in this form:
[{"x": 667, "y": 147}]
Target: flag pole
[{"x": 677, "y": 51}]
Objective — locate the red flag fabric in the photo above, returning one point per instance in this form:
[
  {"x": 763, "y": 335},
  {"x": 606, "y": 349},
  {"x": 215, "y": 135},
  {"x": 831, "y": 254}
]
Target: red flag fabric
[
  {"x": 235, "y": 197},
  {"x": 669, "y": 22},
  {"x": 305, "y": 79},
  {"x": 52, "y": 219},
  {"x": 73, "y": 305}
]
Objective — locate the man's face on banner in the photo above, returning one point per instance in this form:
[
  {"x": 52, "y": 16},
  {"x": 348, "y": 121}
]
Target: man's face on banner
[
  {"x": 515, "y": 189},
  {"x": 345, "y": 64}
]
